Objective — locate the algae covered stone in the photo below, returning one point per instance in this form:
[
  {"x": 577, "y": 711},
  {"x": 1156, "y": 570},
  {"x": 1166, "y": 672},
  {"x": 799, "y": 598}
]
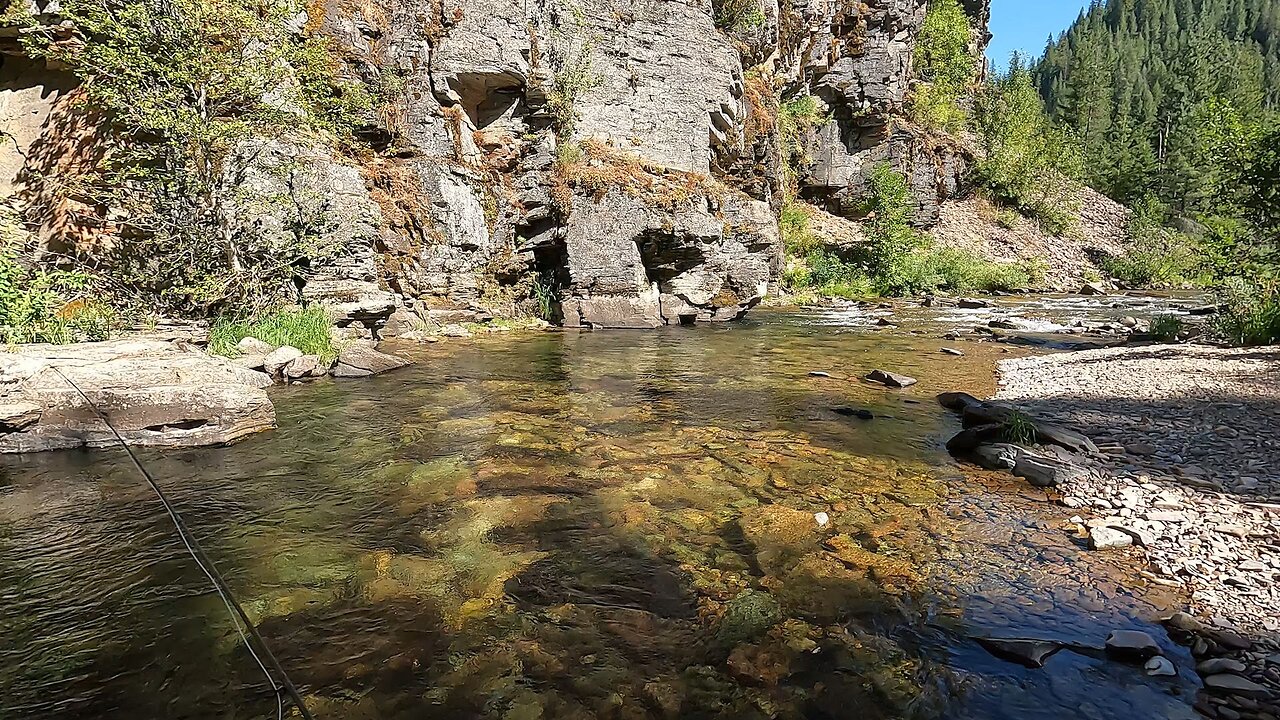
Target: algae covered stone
[{"x": 748, "y": 615}]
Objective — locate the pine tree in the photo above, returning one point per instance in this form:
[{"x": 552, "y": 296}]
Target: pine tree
[{"x": 1136, "y": 80}]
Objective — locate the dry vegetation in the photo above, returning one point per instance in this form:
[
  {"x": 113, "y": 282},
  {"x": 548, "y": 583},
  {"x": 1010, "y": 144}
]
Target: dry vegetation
[{"x": 593, "y": 168}]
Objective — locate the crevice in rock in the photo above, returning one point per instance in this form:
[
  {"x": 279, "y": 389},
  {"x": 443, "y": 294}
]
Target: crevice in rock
[{"x": 178, "y": 425}]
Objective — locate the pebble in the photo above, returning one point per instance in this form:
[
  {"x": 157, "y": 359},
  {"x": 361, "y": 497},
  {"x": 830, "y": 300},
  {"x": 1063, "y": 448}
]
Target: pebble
[{"x": 1107, "y": 538}]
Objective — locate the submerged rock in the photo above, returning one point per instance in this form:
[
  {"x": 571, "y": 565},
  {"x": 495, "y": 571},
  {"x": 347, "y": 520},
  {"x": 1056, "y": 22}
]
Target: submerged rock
[
  {"x": 748, "y": 616},
  {"x": 890, "y": 379},
  {"x": 152, "y": 392},
  {"x": 779, "y": 534},
  {"x": 1031, "y": 653}
]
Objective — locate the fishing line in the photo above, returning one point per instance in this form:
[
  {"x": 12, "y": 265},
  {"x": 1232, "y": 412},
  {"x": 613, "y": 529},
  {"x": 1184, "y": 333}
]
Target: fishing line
[{"x": 238, "y": 616}]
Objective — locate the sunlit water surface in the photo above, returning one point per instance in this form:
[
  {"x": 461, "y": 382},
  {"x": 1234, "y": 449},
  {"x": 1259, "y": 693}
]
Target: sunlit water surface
[{"x": 558, "y": 525}]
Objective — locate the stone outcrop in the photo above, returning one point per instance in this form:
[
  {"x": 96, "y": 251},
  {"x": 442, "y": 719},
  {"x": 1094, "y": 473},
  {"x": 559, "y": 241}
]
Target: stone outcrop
[
  {"x": 451, "y": 202},
  {"x": 152, "y": 392},
  {"x": 859, "y": 63}
]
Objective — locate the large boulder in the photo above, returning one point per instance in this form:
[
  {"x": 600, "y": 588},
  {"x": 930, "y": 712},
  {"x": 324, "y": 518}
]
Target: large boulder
[{"x": 152, "y": 392}]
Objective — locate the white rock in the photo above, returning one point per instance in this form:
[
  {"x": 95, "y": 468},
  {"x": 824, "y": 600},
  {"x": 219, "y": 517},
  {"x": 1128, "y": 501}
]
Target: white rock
[
  {"x": 1160, "y": 667},
  {"x": 822, "y": 518},
  {"x": 278, "y": 358}
]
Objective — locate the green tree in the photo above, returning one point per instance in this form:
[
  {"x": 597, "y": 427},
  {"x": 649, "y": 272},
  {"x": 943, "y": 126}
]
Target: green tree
[{"x": 190, "y": 89}]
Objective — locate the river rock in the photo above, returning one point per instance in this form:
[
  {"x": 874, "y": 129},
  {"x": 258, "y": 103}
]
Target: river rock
[
  {"x": 254, "y": 346},
  {"x": 1043, "y": 471},
  {"x": 890, "y": 379},
  {"x": 974, "y": 304},
  {"x": 779, "y": 535},
  {"x": 1107, "y": 538},
  {"x": 1132, "y": 644},
  {"x": 1229, "y": 684},
  {"x": 747, "y": 616},
  {"x": 997, "y": 456},
  {"x": 362, "y": 361},
  {"x": 1160, "y": 667},
  {"x": 1093, "y": 288},
  {"x": 18, "y": 416},
  {"x": 1214, "y": 666},
  {"x": 304, "y": 366},
  {"x": 1031, "y": 653},
  {"x": 153, "y": 393},
  {"x": 277, "y": 359}
]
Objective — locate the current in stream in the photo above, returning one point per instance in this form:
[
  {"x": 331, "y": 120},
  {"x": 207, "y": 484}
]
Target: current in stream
[{"x": 621, "y": 525}]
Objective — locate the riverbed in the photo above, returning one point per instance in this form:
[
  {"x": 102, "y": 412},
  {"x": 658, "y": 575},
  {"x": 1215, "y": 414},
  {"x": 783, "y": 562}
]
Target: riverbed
[{"x": 681, "y": 523}]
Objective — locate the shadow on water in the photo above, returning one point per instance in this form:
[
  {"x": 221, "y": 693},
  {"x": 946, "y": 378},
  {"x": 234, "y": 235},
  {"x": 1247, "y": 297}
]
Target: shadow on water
[{"x": 612, "y": 525}]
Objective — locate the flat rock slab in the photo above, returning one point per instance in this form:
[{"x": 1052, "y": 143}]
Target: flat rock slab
[
  {"x": 153, "y": 393},
  {"x": 1132, "y": 644},
  {"x": 362, "y": 361}
]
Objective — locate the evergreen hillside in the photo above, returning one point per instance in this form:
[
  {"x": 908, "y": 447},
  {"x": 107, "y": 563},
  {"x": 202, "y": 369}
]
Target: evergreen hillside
[{"x": 1154, "y": 88}]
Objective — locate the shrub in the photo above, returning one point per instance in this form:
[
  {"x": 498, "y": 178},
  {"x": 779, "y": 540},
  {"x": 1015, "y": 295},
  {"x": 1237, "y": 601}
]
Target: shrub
[
  {"x": 797, "y": 117},
  {"x": 188, "y": 88},
  {"x": 1249, "y": 314},
  {"x": 738, "y": 15},
  {"x": 1166, "y": 327},
  {"x": 1027, "y": 161},
  {"x": 944, "y": 66},
  {"x": 44, "y": 305},
  {"x": 793, "y": 224},
  {"x": 1157, "y": 256},
  {"x": 306, "y": 329}
]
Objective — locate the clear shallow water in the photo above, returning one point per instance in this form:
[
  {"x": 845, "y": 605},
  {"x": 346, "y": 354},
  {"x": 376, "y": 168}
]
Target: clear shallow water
[{"x": 608, "y": 525}]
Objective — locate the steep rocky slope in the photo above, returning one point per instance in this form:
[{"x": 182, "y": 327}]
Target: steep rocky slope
[{"x": 620, "y": 157}]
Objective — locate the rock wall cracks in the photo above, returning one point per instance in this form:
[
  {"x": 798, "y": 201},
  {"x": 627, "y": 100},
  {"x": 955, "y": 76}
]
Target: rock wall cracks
[{"x": 614, "y": 163}]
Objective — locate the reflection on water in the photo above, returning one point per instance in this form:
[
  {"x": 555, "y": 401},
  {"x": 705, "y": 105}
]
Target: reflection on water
[{"x": 609, "y": 525}]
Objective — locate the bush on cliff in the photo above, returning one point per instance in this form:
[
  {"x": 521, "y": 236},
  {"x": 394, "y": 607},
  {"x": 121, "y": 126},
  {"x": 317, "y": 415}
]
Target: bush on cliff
[
  {"x": 895, "y": 260},
  {"x": 44, "y": 305},
  {"x": 189, "y": 89},
  {"x": 945, "y": 68}
]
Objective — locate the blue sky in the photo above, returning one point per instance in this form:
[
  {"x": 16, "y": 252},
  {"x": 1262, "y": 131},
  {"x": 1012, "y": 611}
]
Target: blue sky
[{"x": 1025, "y": 25}]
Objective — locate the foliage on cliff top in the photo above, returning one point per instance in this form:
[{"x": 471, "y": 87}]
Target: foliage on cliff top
[
  {"x": 188, "y": 88},
  {"x": 1027, "y": 161},
  {"x": 594, "y": 168},
  {"x": 797, "y": 118}
]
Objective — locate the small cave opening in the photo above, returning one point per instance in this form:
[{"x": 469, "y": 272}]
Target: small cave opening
[
  {"x": 666, "y": 255},
  {"x": 488, "y": 97}
]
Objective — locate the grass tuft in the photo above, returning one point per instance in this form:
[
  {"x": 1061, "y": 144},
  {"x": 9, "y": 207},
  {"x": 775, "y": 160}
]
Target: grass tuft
[{"x": 304, "y": 328}]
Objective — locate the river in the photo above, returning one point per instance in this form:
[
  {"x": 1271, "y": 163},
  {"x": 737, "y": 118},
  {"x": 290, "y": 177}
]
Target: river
[{"x": 599, "y": 525}]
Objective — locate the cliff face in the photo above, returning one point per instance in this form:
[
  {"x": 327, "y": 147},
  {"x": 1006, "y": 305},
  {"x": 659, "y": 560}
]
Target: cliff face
[{"x": 614, "y": 153}]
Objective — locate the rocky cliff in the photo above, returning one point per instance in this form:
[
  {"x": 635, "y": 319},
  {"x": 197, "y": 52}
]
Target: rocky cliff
[{"x": 612, "y": 161}]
